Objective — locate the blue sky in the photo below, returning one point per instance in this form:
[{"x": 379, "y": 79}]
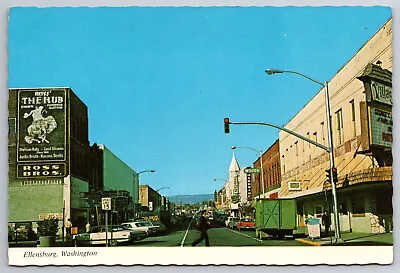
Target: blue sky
[{"x": 159, "y": 81}]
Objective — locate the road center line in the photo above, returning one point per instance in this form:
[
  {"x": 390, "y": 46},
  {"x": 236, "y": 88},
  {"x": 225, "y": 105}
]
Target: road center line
[
  {"x": 184, "y": 237},
  {"x": 245, "y": 235}
]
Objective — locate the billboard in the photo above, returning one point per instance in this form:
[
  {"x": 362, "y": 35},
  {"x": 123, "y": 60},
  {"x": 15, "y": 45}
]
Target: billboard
[{"x": 41, "y": 125}]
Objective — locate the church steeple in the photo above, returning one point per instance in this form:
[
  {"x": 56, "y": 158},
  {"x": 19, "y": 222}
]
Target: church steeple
[{"x": 234, "y": 167}]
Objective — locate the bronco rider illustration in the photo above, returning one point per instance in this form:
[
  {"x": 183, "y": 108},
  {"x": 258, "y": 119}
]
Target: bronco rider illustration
[{"x": 40, "y": 127}]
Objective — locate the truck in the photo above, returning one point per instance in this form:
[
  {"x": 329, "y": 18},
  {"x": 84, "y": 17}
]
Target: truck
[{"x": 275, "y": 217}]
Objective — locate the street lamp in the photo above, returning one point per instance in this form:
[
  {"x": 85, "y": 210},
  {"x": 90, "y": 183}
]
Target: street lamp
[
  {"x": 159, "y": 196},
  {"x": 330, "y": 142},
  {"x": 261, "y": 162},
  {"x": 137, "y": 176},
  {"x": 223, "y": 197}
]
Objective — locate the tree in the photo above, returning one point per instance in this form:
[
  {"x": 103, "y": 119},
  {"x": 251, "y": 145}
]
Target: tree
[
  {"x": 48, "y": 227},
  {"x": 246, "y": 209}
]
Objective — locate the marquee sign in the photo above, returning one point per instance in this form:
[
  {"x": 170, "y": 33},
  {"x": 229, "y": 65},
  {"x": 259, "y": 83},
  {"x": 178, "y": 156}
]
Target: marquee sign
[
  {"x": 41, "y": 125},
  {"x": 381, "y": 93},
  {"x": 381, "y": 123}
]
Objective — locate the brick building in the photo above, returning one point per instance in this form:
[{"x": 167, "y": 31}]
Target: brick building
[
  {"x": 272, "y": 173},
  {"x": 48, "y": 156}
]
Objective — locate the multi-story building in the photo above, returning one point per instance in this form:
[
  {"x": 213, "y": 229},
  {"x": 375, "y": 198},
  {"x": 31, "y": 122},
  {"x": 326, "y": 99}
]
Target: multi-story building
[
  {"x": 48, "y": 155},
  {"x": 149, "y": 198},
  {"x": 52, "y": 166},
  {"x": 117, "y": 175},
  {"x": 271, "y": 173},
  {"x": 361, "y": 114}
]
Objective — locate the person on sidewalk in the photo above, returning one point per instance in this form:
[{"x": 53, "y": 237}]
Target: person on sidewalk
[
  {"x": 88, "y": 227},
  {"x": 326, "y": 222},
  {"x": 202, "y": 226},
  {"x": 68, "y": 226}
]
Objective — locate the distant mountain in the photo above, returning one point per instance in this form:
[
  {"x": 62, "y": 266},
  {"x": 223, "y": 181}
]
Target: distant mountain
[{"x": 190, "y": 199}]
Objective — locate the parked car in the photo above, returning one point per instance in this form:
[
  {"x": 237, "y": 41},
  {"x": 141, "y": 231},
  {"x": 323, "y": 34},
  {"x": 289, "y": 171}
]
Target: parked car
[
  {"x": 246, "y": 223},
  {"x": 115, "y": 234},
  {"x": 155, "y": 228},
  {"x": 232, "y": 222},
  {"x": 229, "y": 220},
  {"x": 137, "y": 226}
]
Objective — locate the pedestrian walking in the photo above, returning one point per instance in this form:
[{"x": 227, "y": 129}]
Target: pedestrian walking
[
  {"x": 202, "y": 226},
  {"x": 68, "y": 226},
  {"x": 326, "y": 222},
  {"x": 88, "y": 227}
]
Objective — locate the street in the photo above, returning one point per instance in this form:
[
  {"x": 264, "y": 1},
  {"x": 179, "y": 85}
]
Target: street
[{"x": 218, "y": 236}]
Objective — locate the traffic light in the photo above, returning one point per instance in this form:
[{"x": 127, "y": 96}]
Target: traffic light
[
  {"x": 334, "y": 174},
  {"x": 226, "y": 125},
  {"x": 215, "y": 196},
  {"x": 328, "y": 175}
]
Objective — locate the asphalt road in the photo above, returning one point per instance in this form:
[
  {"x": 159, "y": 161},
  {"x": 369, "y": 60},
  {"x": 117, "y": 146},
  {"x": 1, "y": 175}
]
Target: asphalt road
[{"x": 218, "y": 236}]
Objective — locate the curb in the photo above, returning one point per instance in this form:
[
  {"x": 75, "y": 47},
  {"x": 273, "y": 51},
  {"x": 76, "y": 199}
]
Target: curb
[{"x": 309, "y": 242}]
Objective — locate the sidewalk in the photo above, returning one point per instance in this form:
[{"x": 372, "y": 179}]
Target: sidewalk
[{"x": 352, "y": 238}]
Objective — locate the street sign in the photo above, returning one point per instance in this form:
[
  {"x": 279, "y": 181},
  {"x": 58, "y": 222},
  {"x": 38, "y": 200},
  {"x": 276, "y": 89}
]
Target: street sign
[
  {"x": 252, "y": 170},
  {"x": 106, "y": 203}
]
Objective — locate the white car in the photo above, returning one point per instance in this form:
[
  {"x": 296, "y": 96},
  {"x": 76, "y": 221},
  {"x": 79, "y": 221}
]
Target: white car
[
  {"x": 137, "y": 226},
  {"x": 97, "y": 236},
  {"x": 155, "y": 228},
  {"x": 227, "y": 221}
]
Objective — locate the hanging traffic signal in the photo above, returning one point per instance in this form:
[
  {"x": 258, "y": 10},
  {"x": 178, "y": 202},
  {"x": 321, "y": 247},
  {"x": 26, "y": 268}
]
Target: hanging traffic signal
[
  {"x": 226, "y": 125},
  {"x": 328, "y": 175},
  {"x": 334, "y": 174}
]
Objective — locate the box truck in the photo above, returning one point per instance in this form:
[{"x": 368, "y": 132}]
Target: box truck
[{"x": 275, "y": 217}]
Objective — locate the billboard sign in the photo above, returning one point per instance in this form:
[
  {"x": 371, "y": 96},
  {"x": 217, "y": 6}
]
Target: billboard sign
[{"x": 41, "y": 125}]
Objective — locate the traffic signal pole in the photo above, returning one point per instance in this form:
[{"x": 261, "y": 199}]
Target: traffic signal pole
[
  {"x": 227, "y": 122},
  {"x": 283, "y": 129},
  {"x": 332, "y": 163}
]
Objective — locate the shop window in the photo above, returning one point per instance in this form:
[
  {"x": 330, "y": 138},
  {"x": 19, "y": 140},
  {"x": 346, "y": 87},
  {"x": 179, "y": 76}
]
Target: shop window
[
  {"x": 343, "y": 208},
  {"x": 319, "y": 210},
  {"x": 358, "y": 206}
]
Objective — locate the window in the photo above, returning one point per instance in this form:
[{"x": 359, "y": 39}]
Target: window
[
  {"x": 353, "y": 118},
  {"x": 283, "y": 164},
  {"x": 339, "y": 127},
  {"x": 323, "y": 132},
  {"x": 319, "y": 210},
  {"x": 11, "y": 126},
  {"x": 357, "y": 205},
  {"x": 343, "y": 208},
  {"x": 316, "y": 140},
  {"x": 297, "y": 148}
]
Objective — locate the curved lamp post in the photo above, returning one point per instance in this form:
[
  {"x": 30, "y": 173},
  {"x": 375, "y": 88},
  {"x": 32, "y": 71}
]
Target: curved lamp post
[
  {"x": 261, "y": 163},
  {"x": 137, "y": 176},
  {"x": 159, "y": 196},
  {"x": 330, "y": 141},
  {"x": 226, "y": 181}
]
